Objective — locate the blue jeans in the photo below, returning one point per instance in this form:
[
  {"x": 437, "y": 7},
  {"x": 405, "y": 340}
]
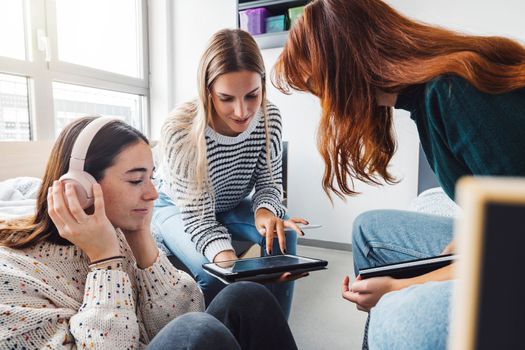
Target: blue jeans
[
  {"x": 416, "y": 317},
  {"x": 244, "y": 315},
  {"x": 240, "y": 223}
]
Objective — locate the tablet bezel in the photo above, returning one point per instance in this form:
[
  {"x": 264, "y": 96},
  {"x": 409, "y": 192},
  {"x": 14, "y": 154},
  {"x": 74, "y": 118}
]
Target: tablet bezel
[
  {"x": 409, "y": 268},
  {"x": 311, "y": 264}
]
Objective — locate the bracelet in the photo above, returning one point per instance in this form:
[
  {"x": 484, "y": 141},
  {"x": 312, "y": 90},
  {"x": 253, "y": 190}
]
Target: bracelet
[
  {"x": 112, "y": 264},
  {"x": 106, "y": 259},
  {"x": 108, "y": 265}
]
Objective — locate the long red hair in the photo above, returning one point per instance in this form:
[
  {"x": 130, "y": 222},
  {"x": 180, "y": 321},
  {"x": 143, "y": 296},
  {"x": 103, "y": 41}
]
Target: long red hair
[{"x": 344, "y": 51}]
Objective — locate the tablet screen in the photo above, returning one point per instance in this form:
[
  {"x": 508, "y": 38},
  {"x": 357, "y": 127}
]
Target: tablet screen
[
  {"x": 264, "y": 265},
  {"x": 269, "y": 262}
]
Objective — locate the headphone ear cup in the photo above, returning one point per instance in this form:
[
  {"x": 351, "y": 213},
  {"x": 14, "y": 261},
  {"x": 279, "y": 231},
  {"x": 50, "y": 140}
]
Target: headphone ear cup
[{"x": 83, "y": 184}]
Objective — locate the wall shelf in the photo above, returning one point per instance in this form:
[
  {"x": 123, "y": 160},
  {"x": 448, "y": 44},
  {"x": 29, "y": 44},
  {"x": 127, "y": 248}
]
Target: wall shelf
[
  {"x": 275, "y": 7},
  {"x": 271, "y": 40},
  {"x": 276, "y": 4}
]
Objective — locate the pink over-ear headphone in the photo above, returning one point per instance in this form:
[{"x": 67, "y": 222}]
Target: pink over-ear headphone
[{"x": 82, "y": 181}]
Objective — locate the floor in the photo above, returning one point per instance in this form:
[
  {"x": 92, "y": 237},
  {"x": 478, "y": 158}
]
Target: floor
[{"x": 321, "y": 318}]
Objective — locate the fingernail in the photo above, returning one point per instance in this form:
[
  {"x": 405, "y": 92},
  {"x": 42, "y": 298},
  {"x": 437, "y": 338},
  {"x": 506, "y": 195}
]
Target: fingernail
[
  {"x": 284, "y": 250},
  {"x": 302, "y": 232},
  {"x": 269, "y": 251},
  {"x": 307, "y": 222}
]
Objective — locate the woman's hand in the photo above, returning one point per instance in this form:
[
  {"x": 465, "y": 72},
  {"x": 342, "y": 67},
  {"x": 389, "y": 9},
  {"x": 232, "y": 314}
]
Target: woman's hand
[
  {"x": 270, "y": 226},
  {"x": 94, "y": 234},
  {"x": 225, "y": 255},
  {"x": 366, "y": 293},
  {"x": 450, "y": 248},
  {"x": 142, "y": 243}
]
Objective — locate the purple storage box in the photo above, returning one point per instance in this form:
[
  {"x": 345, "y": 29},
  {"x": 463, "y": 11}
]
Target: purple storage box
[{"x": 254, "y": 20}]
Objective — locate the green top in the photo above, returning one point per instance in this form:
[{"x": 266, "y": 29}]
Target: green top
[{"x": 464, "y": 131}]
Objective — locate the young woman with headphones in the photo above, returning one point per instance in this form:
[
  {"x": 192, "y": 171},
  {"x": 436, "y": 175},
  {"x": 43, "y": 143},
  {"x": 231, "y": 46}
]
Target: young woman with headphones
[{"x": 85, "y": 271}]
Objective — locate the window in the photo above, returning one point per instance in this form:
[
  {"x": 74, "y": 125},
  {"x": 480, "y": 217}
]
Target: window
[
  {"x": 14, "y": 110},
  {"x": 12, "y": 34},
  {"x": 83, "y": 42},
  {"x": 61, "y": 59},
  {"x": 72, "y": 100}
]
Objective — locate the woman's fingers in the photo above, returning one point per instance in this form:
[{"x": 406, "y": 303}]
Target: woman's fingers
[
  {"x": 98, "y": 200},
  {"x": 360, "y": 286},
  {"x": 345, "y": 287},
  {"x": 60, "y": 204},
  {"x": 299, "y": 220},
  {"x": 288, "y": 276},
  {"x": 59, "y": 223},
  {"x": 293, "y": 225},
  {"x": 281, "y": 236},
  {"x": 270, "y": 233},
  {"x": 74, "y": 205}
]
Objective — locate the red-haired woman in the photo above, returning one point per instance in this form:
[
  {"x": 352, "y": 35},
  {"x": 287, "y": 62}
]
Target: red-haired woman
[{"x": 466, "y": 95}]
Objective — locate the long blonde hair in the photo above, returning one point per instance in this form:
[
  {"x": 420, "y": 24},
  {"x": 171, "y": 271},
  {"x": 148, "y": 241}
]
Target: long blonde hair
[{"x": 229, "y": 50}]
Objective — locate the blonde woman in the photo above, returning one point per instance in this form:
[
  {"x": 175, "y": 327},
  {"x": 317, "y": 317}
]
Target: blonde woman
[{"x": 215, "y": 151}]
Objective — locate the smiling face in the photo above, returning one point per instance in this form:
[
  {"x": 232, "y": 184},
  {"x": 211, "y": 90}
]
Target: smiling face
[
  {"x": 128, "y": 190},
  {"x": 236, "y": 98}
]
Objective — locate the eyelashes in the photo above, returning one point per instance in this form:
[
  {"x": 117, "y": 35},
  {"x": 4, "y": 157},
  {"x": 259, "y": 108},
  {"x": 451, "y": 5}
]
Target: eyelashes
[
  {"x": 138, "y": 182},
  {"x": 229, "y": 99}
]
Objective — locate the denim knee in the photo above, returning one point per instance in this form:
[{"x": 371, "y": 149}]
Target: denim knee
[
  {"x": 413, "y": 318},
  {"x": 363, "y": 229}
]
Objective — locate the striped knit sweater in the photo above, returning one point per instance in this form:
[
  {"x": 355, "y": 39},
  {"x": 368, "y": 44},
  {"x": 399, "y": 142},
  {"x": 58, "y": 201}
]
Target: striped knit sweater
[
  {"x": 236, "y": 166},
  {"x": 49, "y": 299}
]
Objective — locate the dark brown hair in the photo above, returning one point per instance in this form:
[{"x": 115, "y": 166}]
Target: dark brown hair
[
  {"x": 105, "y": 147},
  {"x": 344, "y": 51}
]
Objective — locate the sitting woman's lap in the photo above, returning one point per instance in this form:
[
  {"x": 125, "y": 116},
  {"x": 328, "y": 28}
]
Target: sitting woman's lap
[
  {"x": 415, "y": 317},
  {"x": 241, "y": 316},
  {"x": 387, "y": 236},
  {"x": 240, "y": 222}
]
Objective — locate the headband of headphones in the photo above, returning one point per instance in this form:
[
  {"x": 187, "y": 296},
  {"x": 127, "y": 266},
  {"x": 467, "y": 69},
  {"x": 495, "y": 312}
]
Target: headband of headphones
[{"x": 84, "y": 138}]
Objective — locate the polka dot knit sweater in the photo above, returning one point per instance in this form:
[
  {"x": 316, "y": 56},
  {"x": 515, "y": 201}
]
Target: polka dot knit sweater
[{"x": 50, "y": 299}]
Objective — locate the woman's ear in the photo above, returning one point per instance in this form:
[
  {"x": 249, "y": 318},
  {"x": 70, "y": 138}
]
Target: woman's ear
[{"x": 385, "y": 99}]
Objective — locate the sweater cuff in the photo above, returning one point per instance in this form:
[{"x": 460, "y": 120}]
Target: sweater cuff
[
  {"x": 217, "y": 246},
  {"x": 278, "y": 211},
  {"x": 108, "y": 288}
]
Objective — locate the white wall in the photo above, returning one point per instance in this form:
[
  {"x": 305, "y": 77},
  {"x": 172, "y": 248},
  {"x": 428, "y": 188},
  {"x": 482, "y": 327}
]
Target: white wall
[
  {"x": 194, "y": 23},
  {"x": 480, "y": 17},
  {"x": 178, "y": 33}
]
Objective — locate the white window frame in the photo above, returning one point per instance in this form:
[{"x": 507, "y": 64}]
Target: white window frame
[{"x": 42, "y": 71}]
